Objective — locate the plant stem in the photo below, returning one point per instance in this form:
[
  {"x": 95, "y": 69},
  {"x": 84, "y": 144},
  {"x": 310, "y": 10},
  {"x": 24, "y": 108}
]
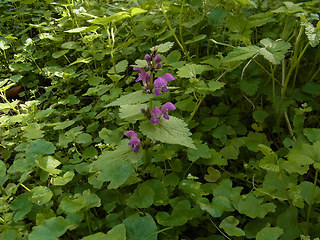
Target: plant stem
[
  {"x": 312, "y": 200},
  {"x": 25, "y": 187},
  {"x": 196, "y": 107}
]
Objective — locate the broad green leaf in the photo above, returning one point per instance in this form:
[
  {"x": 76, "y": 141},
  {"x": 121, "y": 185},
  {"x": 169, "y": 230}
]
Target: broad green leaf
[
  {"x": 81, "y": 60},
  {"x": 131, "y": 98},
  {"x": 41, "y": 195},
  {"x": 215, "y": 85},
  {"x": 84, "y": 138},
  {"x": 202, "y": 151},
  {"x": 309, "y": 192},
  {"x": 196, "y": 38},
  {"x": 217, "y": 207},
  {"x": 313, "y": 134},
  {"x": 95, "y": 80},
  {"x": 163, "y": 47},
  {"x": 48, "y": 164},
  {"x": 49, "y": 229},
  {"x": 312, "y": 88},
  {"x": 3, "y": 45},
  {"x": 254, "y": 207},
  {"x": 59, "y": 53},
  {"x": 120, "y": 67},
  {"x": 63, "y": 125},
  {"x": 60, "y": 181},
  {"x": 287, "y": 221},
  {"x": 230, "y": 152},
  {"x": 97, "y": 236},
  {"x": 173, "y": 57},
  {"x": 117, "y": 232},
  {"x": 69, "y": 45},
  {"x": 135, "y": 11},
  {"x": 191, "y": 70},
  {"x": 74, "y": 204},
  {"x": 241, "y": 54},
  {"x": 313, "y": 33},
  {"x": 172, "y": 131},
  {"x": 269, "y": 233},
  {"x": 274, "y": 51},
  {"x": 131, "y": 111},
  {"x": 39, "y": 147},
  {"x": 213, "y": 175},
  {"x": 77, "y": 30},
  {"x": 113, "y": 18},
  {"x": 22, "y": 205},
  {"x": 269, "y": 162},
  {"x": 192, "y": 187},
  {"x": 109, "y": 163},
  {"x": 20, "y": 67},
  {"x": 260, "y": 115},
  {"x": 229, "y": 226},
  {"x": 3, "y": 174},
  {"x": 140, "y": 228}
]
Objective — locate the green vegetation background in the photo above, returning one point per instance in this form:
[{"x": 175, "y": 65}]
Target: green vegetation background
[{"x": 246, "y": 85}]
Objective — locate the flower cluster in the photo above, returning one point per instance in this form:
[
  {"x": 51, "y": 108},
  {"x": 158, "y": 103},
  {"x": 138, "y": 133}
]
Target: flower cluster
[
  {"x": 157, "y": 86},
  {"x": 134, "y": 141},
  {"x": 156, "y": 113}
]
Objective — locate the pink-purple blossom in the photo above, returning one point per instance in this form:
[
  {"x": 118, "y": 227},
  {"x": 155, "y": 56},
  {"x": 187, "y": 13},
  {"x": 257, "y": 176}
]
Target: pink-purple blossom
[
  {"x": 160, "y": 84},
  {"x": 156, "y": 113},
  {"x": 143, "y": 76},
  {"x": 134, "y": 141}
]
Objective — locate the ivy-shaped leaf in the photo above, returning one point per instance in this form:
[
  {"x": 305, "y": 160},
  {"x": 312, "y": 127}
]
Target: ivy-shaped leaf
[
  {"x": 191, "y": 70},
  {"x": 138, "y": 227},
  {"x": 172, "y": 131},
  {"x": 229, "y": 225},
  {"x": 49, "y": 229},
  {"x": 269, "y": 233},
  {"x": 241, "y": 53}
]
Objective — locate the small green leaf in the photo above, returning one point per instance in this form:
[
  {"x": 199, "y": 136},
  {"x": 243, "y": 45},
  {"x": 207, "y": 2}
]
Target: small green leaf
[
  {"x": 196, "y": 38},
  {"x": 164, "y": 47},
  {"x": 77, "y": 30},
  {"x": 241, "y": 54},
  {"x": 274, "y": 51},
  {"x": 213, "y": 175},
  {"x": 39, "y": 147},
  {"x": 131, "y": 111},
  {"x": 59, "y": 53},
  {"x": 63, "y": 125},
  {"x": 260, "y": 115},
  {"x": 172, "y": 131},
  {"x": 22, "y": 205},
  {"x": 313, "y": 134},
  {"x": 312, "y": 88},
  {"x": 229, "y": 225},
  {"x": 70, "y": 204},
  {"x": 135, "y": 11},
  {"x": 191, "y": 70},
  {"x": 120, "y": 67},
  {"x": 60, "y": 181},
  {"x": 69, "y": 45},
  {"x": 269, "y": 233},
  {"x": 202, "y": 151},
  {"x": 218, "y": 206},
  {"x": 49, "y": 229}
]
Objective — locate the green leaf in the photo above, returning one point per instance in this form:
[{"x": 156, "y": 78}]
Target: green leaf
[
  {"x": 173, "y": 57},
  {"x": 39, "y": 147},
  {"x": 229, "y": 226},
  {"x": 312, "y": 88},
  {"x": 140, "y": 228},
  {"x": 260, "y": 115},
  {"x": 3, "y": 173},
  {"x": 269, "y": 233},
  {"x": 191, "y": 70},
  {"x": 49, "y": 229},
  {"x": 131, "y": 98},
  {"x": 48, "y": 164},
  {"x": 213, "y": 175},
  {"x": 120, "y": 67},
  {"x": 269, "y": 162},
  {"x": 313, "y": 33},
  {"x": 135, "y": 11},
  {"x": 196, "y": 38},
  {"x": 274, "y": 51},
  {"x": 63, "y": 125},
  {"x": 109, "y": 163},
  {"x": 131, "y": 112},
  {"x": 164, "y": 47},
  {"x": 313, "y": 134},
  {"x": 60, "y": 181},
  {"x": 241, "y": 54},
  {"x": 22, "y": 205},
  {"x": 72, "y": 205},
  {"x": 172, "y": 131},
  {"x": 253, "y": 207},
  {"x": 218, "y": 206},
  {"x": 41, "y": 195},
  {"x": 77, "y": 30},
  {"x": 202, "y": 151},
  {"x": 230, "y": 152},
  {"x": 69, "y": 45},
  {"x": 59, "y": 53},
  {"x": 84, "y": 138}
]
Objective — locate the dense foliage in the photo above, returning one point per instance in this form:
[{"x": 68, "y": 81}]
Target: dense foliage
[{"x": 188, "y": 119}]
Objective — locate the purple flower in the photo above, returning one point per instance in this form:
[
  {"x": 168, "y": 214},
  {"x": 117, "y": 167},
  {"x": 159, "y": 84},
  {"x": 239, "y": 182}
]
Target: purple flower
[
  {"x": 157, "y": 59},
  {"x": 161, "y": 83},
  {"x": 134, "y": 141},
  {"x": 155, "y": 115},
  {"x": 147, "y": 57},
  {"x": 143, "y": 76},
  {"x": 165, "y": 108}
]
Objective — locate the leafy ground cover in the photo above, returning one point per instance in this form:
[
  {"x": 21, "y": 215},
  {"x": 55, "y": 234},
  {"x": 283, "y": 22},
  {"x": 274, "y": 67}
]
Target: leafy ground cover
[{"x": 153, "y": 119}]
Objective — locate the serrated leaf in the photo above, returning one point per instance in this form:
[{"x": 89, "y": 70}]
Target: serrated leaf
[
  {"x": 172, "y": 131},
  {"x": 313, "y": 33},
  {"x": 274, "y": 51},
  {"x": 202, "y": 151},
  {"x": 120, "y": 67},
  {"x": 192, "y": 70},
  {"x": 241, "y": 54},
  {"x": 312, "y": 88},
  {"x": 164, "y": 47},
  {"x": 131, "y": 98},
  {"x": 131, "y": 111}
]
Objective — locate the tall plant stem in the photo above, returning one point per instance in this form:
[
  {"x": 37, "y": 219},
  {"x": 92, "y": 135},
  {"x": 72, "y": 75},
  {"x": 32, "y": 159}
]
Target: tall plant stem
[
  {"x": 173, "y": 33},
  {"x": 197, "y": 107},
  {"x": 180, "y": 23},
  {"x": 312, "y": 200}
]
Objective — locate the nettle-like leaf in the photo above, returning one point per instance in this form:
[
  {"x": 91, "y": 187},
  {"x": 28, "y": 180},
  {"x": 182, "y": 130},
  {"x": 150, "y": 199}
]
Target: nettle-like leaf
[
  {"x": 241, "y": 53},
  {"x": 191, "y": 70},
  {"x": 116, "y": 166},
  {"x": 131, "y": 112},
  {"x": 131, "y": 98},
  {"x": 274, "y": 51},
  {"x": 172, "y": 131},
  {"x": 229, "y": 225},
  {"x": 313, "y": 33},
  {"x": 164, "y": 47},
  {"x": 269, "y": 162}
]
